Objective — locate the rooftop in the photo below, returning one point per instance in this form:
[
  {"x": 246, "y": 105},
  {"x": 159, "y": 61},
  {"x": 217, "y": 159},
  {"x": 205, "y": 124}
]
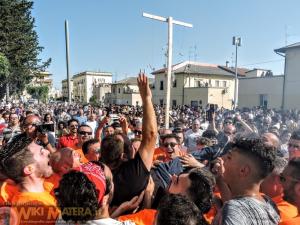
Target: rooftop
[
  {"x": 131, "y": 80},
  {"x": 92, "y": 73},
  {"x": 283, "y": 49}
]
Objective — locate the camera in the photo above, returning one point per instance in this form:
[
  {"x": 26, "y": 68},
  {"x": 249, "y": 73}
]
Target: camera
[{"x": 45, "y": 128}]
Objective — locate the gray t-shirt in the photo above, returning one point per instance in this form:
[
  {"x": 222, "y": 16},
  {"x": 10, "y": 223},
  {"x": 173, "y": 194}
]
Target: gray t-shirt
[{"x": 248, "y": 211}]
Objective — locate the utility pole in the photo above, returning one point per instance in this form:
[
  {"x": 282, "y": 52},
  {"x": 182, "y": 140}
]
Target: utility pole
[
  {"x": 170, "y": 22},
  {"x": 237, "y": 41},
  {"x": 67, "y": 60}
]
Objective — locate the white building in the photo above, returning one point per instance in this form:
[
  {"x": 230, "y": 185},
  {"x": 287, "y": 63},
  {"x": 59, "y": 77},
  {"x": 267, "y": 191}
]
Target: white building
[
  {"x": 291, "y": 81},
  {"x": 85, "y": 82}
]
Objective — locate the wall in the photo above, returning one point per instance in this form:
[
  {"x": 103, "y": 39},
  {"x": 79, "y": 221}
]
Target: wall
[
  {"x": 251, "y": 88},
  {"x": 292, "y": 71}
]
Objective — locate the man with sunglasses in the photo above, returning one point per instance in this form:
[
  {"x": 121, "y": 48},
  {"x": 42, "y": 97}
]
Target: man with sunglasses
[
  {"x": 290, "y": 180},
  {"x": 70, "y": 140},
  {"x": 91, "y": 150},
  {"x": 169, "y": 149},
  {"x": 294, "y": 145},
  {"x": 85, "y": 133}
]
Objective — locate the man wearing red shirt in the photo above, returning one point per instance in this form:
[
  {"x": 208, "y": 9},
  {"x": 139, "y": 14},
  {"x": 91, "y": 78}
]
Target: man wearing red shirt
[{"x": 70, "y": 140}]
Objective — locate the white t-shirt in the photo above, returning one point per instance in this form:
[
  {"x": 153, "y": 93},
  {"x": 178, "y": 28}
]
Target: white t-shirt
[
  {"x": 93, "y": 125},
  {"x": 191, "y": 139}
]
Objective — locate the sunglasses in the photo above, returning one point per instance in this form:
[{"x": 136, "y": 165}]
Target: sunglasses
[
  {"x": 84, "y": 133},
  {"x": 283, "y": 179},
  {"x": 172, "y": 144},
  {"x": 293, "y": 146},
  {"x": 137, "y": 132}
]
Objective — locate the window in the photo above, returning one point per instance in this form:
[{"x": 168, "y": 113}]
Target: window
[
  {"x": 217, "y": 83},
  {"x": 175, "y": 83},
  {"x": 224, "y": 83},
  {"x": 161, "y": 85},
  {"x": 161, "y": 102},
  {"x": 119, "y": 90},
  {"x": 174, "y": 103},
  {"x": 263, "y": 100}
]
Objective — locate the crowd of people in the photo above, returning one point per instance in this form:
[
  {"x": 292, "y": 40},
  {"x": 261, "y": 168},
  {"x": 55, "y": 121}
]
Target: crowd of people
[{"x": 118, "y": 164}]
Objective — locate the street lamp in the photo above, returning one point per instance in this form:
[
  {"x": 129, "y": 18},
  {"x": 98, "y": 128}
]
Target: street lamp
[{"x": 237, "y": 41}]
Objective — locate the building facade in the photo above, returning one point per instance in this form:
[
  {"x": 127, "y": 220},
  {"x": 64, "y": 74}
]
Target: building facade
[
  {"x": 195, "y": 84},
  {"x": 291, "y": 81},
  {"x": 84, "y": 84},
  {"x": 64, "y": 84},
  {"x": 261, "y": 91},
  {"x": 125, "y": 92}
]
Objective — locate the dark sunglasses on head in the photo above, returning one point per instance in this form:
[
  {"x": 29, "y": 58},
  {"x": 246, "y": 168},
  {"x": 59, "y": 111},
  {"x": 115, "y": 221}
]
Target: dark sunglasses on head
[
  {"x": 84, "y": 133},
  {"x": 172, "y": 144}
]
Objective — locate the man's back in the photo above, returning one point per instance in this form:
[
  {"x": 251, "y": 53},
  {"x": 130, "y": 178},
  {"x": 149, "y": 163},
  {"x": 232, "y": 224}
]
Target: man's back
[{"x": 248, "y": 211}]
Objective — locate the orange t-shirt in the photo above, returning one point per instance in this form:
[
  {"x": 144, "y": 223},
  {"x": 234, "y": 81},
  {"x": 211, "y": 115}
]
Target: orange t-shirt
[
  {"x": 82, "y": 157},
  {"x": 7, "y": 191},
  {"x": 287, "y": 210},
  {"x": 51, "y": 183},
  {"x": 161, "y": 155},
  {"x": 293, "y": 221},
  {"x": 143, "y": 217},
  {"x": 35, "y": 208},
  {"x": 210, "y": 215}
]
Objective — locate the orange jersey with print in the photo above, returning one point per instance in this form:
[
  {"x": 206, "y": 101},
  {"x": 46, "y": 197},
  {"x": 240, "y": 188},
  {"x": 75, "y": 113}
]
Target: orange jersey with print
[
  {"x": 293, "y": 221},
  {"x": 161, "y": 155},
  {"x": 143, "y": 217},
  {"x": 7, "y": 192},
  {"x": 287, "y": 211},
  {"x": 82, "y": 157},
  {"x": 210, "y": 215},
  {"x": 35, "y": 208}
]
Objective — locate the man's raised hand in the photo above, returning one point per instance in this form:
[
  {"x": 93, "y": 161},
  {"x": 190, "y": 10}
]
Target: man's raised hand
[{"x": 143, "y": 84}]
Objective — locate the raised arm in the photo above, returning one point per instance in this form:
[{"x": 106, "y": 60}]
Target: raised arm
[{"x": 149, "y": 130}]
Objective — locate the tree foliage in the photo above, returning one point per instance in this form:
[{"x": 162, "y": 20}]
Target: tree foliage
[
  {"x": 38, "y": 92},
  {"x": 19, "y": 43}
]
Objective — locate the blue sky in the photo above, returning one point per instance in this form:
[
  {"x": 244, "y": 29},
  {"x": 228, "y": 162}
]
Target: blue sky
[{"x": 112, "y": 35}]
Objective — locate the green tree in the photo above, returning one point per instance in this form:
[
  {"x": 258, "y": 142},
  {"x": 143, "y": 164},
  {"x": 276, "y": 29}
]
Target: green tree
[
  {"x": 19, "y": 43},
  {"x": 39, "y": 92},
  {"x": 4, "y": 71},
  {"x": 93, "y": 99}
]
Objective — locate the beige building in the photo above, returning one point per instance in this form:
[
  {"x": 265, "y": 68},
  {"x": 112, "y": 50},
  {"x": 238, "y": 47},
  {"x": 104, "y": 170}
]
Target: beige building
[
  {"x": 260, "y": 91},
  {"x": 125, "y": 92},
  {"x": 100, "y": 91},
  {"x": 291, "y": 81},
  {"x": 195, "y": 84},
  {"x": 64, "y": 84},
  {"x": 85, "y": 82}
]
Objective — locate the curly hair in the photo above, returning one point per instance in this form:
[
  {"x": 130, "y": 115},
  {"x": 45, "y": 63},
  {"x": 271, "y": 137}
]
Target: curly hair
[
  {"x": 76, "y": 191},
  {"x": 263, "y": 155},
  {"x": 201, "y": 188},
  {"x": 176, "y": 209}
]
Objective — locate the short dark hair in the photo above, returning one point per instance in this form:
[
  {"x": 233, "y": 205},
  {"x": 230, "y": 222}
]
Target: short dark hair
[
  {"x": 166, "y": 136},
  {"x": 15, "y": 156},
  {"x": 72, "y": 120},
  {"x": 176, "y": 209},
  {"x": 76, "y": 190},
  {"x": 263, "y": 155},
  {"x": 296, "y": 135},
  {"x": 86, "y": 145},
  {"x": 112, "y": 149},
  {"x": 201, "y": 188},
  {"x": 84, "y": 125},
  {"x": 210, "y": 134}
]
